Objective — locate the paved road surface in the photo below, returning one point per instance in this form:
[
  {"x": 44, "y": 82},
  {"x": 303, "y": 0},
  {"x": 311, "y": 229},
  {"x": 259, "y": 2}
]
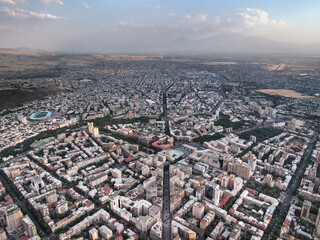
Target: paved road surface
[
  {"x": 166, "y": 216},
  {"x": 165, "y": 113},
  {"x": 221, "y": 100},
  {"x": 23, "y": 202},
  {"x": 294, "y": 184}
]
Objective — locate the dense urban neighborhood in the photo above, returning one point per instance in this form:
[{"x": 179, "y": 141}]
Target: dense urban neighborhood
[{"x": 147, "y": 147}]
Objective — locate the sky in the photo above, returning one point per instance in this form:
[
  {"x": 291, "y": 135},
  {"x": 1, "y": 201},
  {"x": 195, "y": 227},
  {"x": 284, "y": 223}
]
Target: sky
[{"x": 91, "y": 25}]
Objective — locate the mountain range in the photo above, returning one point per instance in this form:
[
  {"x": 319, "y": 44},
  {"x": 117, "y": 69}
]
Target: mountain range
[
  {"x": 237, "y": 43},
  {"x": 222, "y": 43}
]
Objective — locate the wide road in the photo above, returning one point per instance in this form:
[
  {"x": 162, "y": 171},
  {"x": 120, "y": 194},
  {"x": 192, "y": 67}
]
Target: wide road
[
  {"x": 224, "y": 96},
  {"x": 165, "y": 113},
  {"x": 166, "y": 215},
  {"x": 23, "y": 202},
  {"x": 294, "y": 184},
  {"x": 165, "y": 89}
]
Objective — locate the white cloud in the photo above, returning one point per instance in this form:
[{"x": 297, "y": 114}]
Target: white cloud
[
  {"x": 217, "y": 20},
  {"x": 247, "y": 20},
  {"x": 8, "y": 1},
  {"x": 190, "y": 18},
  {"x": 201, "y": 18},
  {"x": 86, "y": 5},
  {"x": 135, "y": 25},
  {"x": 52, "y": 2},
  {"x": 13, "y": 2},
  {"x": 158, "y": 7},
  {"x": 21, "y": 14},
  {"x": 257, "y": 18}
]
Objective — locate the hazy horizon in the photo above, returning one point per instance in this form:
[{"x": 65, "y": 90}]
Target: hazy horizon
[{"x": 137, "y": 26}]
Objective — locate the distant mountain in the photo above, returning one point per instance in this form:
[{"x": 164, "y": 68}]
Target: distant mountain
[
  {"x": 236, "y": 43},
  {"x": 180, "y": 42},
  {"x": 225, "y": 42}
]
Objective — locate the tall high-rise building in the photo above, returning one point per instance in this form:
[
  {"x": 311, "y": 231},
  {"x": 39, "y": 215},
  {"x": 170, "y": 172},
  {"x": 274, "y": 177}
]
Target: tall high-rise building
[
  {"x": 252, "y": 162},
  {"x": 212, "y": 192},
  {"x": 96, "y": 132},
  {"x": 231, "y": 182},
  {"x": 29, "y": 227},
  {"x": 52, "y": 197},
  {"x": 13, "y": 218},
  {"x": 90, "y": 127},
  {"x": 241, "y": 169},
  {"x": 305, "y": 209},
  {"x": 37, "y": 183},
  {"x": 141, "y": 208},
  {"x": 269, "y": 180},
  {"x": 44, "y": 210},
  {"x": 198, "y": 210}
]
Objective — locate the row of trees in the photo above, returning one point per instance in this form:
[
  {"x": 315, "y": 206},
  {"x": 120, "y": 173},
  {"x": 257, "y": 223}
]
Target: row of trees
[
  {"x": 260, "y": 133},
  {"x": 25, "y": 206},
  {"x": 265, "y": 189},
  {"x": 208, "y": 138},
  {"x": 25, "y": 145},
  {"x": 245, "y": 151},
  {"x": 229, "y": 204},
  {"x": 225, "y": 122}
]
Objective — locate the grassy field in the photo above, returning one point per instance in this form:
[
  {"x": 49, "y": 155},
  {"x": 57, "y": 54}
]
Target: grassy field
[{"x": 284, "y": 93}]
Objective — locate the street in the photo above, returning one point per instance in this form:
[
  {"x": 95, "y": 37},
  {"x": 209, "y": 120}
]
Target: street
[
  {"x": 293, "y": 186},
  {"x": 166, "y": 215}
]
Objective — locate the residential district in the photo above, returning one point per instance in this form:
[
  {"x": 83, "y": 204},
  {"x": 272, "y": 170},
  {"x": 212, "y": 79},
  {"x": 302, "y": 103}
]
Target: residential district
[{"x": 163, "y": 149}]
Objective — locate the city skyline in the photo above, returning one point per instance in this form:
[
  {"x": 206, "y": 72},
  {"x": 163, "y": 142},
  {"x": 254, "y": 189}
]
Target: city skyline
[{"x": 159, "y": 120}]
